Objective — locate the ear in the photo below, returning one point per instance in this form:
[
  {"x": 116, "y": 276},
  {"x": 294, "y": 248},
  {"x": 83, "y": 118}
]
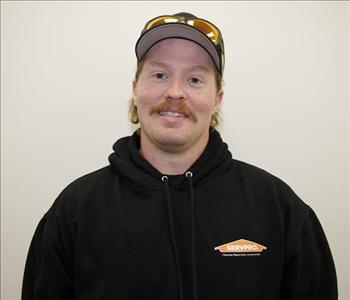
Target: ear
[
  {"x": 134, "y": 85},
  {"x": 218, "y": 99}
]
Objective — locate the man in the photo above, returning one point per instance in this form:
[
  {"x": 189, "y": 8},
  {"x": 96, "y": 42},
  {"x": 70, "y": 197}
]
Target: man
[{"x": 174, "y": 216}]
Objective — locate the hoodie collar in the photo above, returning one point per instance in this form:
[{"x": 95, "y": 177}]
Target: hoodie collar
[{"x": 128, "y": 162}]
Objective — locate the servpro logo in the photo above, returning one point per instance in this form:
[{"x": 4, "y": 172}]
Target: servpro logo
[{"x": 241, "y": 248}]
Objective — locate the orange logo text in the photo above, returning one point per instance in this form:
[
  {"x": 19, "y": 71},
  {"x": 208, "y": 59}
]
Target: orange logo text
[{"x": 241, "y": 246}]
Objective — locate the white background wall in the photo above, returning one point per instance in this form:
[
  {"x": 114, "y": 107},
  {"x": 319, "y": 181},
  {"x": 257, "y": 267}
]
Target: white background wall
[{"x": 66, "y": 79}]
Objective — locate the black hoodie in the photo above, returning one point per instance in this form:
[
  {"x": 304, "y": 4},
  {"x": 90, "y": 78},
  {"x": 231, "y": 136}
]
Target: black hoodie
[{"x": 224, "y": 230}]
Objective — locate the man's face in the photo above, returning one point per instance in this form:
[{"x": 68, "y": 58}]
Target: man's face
[{"x": 176, "y": 95}]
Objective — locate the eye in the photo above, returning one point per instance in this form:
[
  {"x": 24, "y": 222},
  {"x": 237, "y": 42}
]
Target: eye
[
  {"x": 159, "y": 75},
  {"x": 195, "y": 80}
]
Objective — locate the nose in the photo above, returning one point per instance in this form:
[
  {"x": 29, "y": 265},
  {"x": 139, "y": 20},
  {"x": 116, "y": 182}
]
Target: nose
[{"x": 175, "y": 90}]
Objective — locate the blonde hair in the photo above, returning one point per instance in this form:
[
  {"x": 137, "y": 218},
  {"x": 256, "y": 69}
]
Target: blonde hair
[{"x": 133, "y": 117}]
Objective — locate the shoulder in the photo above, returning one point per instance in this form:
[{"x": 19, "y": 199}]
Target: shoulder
[
  {"x": 69, "y": 199},
  {"x": 92, "y": 177},
  {"x": 257, "y": 177},
  {"x": 89, "y": 181},
  {"x": 272, "y": 189},
  {"x": 252, "y": 171},
  {"x": 275, "y": 196}
]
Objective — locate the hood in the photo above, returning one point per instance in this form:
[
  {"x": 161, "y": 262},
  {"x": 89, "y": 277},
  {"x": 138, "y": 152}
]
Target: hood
[{"x": 127, "y": 161}]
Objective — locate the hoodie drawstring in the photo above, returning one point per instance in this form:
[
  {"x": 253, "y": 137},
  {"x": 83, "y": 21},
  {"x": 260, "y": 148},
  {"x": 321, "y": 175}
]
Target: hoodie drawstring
[
  {"x": 172, "y": 234},
  {"x": 193, "y": 236},
  {"x": 173, "y": 240}
]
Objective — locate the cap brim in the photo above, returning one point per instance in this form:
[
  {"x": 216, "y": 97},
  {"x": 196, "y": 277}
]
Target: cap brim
[{"x": 175, "y": 30}]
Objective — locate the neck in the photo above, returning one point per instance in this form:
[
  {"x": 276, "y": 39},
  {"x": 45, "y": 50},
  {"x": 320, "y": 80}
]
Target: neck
[{"x": 170, "y": 162}]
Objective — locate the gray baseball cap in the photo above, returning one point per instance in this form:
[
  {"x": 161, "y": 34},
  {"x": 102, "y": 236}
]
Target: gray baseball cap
[{"x": 184, "y": 26}]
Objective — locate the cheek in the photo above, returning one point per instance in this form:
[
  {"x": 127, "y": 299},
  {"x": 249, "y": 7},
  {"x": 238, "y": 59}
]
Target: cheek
[
  {"x": 146, "y": 95},
  {"x": 204, "y": 105},
  {"x": 205, "y": 99}
]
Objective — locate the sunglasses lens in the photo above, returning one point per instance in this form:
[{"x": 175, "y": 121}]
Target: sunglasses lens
[
  {"x": 160, "y": 21},
  {"x": 209, "y": 30}
]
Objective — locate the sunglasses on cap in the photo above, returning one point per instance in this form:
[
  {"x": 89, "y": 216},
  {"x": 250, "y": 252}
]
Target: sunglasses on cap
[{"x": 204, "y": 26}]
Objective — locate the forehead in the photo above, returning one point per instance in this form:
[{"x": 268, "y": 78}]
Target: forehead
[{"x": 180, "y": 52}]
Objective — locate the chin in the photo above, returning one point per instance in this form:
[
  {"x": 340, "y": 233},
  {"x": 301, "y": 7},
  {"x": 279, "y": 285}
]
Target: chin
[
  {"x": 172, "y": 143},
  {"x": 177, "y": 138},
  {"x": 172, "y": 140}
]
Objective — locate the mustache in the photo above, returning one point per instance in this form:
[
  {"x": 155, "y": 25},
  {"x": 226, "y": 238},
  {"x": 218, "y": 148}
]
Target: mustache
[{"x": 178, "y": 106}]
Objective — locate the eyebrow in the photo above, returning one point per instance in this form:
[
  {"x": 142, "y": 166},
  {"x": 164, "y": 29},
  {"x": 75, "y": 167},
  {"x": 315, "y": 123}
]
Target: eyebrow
[
  {"x": 200, "y": 68},
  {"x": 191, "y": 69},
  {"x": 159, "y": 64}
]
